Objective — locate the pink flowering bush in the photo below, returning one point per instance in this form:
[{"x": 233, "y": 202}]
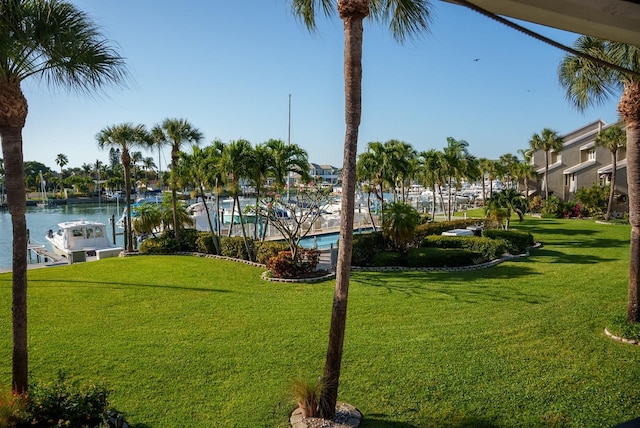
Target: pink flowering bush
[{"x": 285, "y": 265}]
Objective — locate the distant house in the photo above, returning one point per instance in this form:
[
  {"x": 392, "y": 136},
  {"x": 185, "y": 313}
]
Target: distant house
[
  {"x": 582, "y": 164},
  {"x": 324, "y": 173}
]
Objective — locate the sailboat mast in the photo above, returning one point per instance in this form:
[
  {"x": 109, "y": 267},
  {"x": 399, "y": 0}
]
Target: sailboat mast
[{"x": 288, "y": 144}]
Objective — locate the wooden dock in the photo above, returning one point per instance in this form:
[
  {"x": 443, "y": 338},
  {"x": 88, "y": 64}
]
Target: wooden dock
[{"x": 43, "y": 255}]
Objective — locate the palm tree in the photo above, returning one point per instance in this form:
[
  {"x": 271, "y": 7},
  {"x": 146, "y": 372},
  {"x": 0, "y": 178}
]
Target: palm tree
[
  {"x": 175, "y": 132},
  {"x": 235, "y": 164},
  {"x": 398, "y": 156},
  {"x": 55, "y": 41},
  {"x": 371, "y": 166},
  {"x": 484, "y": 166},
  {"x": 286, "y": 158},
  {"x": 399, "y": 224},
  {"x": 125, "y": 136},
  {"x": 524, "y": 171},
  {"x": 548, "y": 141},
  {"x": 459, "y": 164},
  {"x": 61, "y": 160},
  {"x": 432, "y": 173},
  {"x": 198, "y": 166},
  {"x": 612, "y": 138},
  {"x": 502, "y": 204},
  {"x": 406, "y": 17},
  {"x": 149, "y": 165},
  {"x": 258, "y": 170},
  {"x": 586, "y": 84},
  {"x": 508, "y": 161}
]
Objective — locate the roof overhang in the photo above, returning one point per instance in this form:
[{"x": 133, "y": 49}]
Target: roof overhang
[
  {"x": 580, "y": 166},
  {"x": 617, "y": 20}
]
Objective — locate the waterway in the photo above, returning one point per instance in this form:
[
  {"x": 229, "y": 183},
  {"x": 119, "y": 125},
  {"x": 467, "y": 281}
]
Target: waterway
[{"x": 40, "y": 220}]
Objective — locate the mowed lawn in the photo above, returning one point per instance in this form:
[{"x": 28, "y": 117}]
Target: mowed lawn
[{"x": 194, "y": 342}]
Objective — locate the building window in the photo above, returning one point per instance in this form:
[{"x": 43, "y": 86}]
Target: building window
[{"x": 592, "y": 154}]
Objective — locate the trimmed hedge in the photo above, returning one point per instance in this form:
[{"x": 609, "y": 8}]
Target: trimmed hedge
[
  {"x": 388, "y": 258},
  {"x": 204, "y": 243},
  {"x": 487, "y": 248},
  {"x": 166, "y": 244},
  {"x": 442, "y": 257},
  {"x": 516, "y": 241},
  {"x": 366, "y": 246},
  {"x": 268, "y": 249},
  {"x": 234, "y": 247}
]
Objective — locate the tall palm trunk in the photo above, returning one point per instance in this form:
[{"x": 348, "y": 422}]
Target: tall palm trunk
[
  {"x": 629, "y": 108},
  {"x": 373, "y": 223},
  {"x": 126, "y": 165},
  {"x": 484, "y": 192},
  {"x": 16, "y": 199},
  {"x": 244, "y": 232},
  {"x": 546, "y": 175},
  {"x": 449, "y": 204},
  {"x": 433, "y": 203},
  {"x": 175, "y": 154},
  {"x": 352, "y": 13},
  {"x": 13, "y": 105},
  {"x": 216, "y": 243},
  {"x": 612, "y": 187},
  {"x": 233, "y": 211}
]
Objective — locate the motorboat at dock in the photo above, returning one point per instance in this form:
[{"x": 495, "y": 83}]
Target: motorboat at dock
[{"x": 81, "y": 240}]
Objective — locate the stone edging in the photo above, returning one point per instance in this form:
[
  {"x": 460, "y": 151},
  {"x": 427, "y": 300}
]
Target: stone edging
[
  {"x": 349, "y": 416},
  {"x": 265, "y": 275},
  {"x": 492, "y": 263},
  {"x": 621, "y": 339}
]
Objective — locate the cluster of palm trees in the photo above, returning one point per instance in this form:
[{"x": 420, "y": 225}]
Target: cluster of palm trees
[
  {"x": 214, "y": 168},
  {"x": 391, "y": 167},
  {"x": 56, "y": 41}
]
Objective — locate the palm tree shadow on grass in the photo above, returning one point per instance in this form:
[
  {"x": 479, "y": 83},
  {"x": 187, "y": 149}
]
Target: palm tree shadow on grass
[
  {"x": 562, "y": 257},
  {"x": 79, "y": 284},
  {"x": 457, "y": 287},
  {"x": 381, "y": 421}
]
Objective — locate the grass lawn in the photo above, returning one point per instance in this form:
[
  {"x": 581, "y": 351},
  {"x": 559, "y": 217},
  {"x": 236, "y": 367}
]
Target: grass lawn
[{"x": 192, "y": 342}]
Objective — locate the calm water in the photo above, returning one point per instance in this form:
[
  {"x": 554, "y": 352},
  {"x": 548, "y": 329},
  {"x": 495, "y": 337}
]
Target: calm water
[{"x": 40, "y": 220}]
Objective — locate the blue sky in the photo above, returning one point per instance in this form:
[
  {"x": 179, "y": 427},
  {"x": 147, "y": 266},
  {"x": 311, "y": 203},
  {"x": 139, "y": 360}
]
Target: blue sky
[{"x": 229, "y": 66}]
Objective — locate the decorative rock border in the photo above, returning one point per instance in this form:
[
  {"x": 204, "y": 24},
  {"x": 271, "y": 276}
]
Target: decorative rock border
[
  {"x": 621, "y": 339},
  {"x": 347, "y": 416},
  {"x": 265, "y": 276},
  {"x": 492, "y": 263}
]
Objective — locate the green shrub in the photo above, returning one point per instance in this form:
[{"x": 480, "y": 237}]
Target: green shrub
[
  {"x": 388, "y": 258},
  {"x": 516, "y": 241},
  {"x": 66, "y": 403},
  {"x": 12, "y": 408},
  {"x": 267, "y": 249},
  {"x": 365, "y": 246},
  {"x": 163, "y": 244},
  {"x": 205, "y": 244},
  {"x": 166, "y": 243},
  {"x": 442, "y": 257},
  {"x": 234, "y": 247},
  {"x": 283, "y": 265},
  {"x": 552, "y": 208},
  {"x": 487, "y": 248},
  {"x": 188, "y": 239}
]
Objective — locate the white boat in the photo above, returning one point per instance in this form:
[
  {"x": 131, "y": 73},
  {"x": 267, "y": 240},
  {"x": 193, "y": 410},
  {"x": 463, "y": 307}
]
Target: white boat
[{"x": 82, "y": 239}]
